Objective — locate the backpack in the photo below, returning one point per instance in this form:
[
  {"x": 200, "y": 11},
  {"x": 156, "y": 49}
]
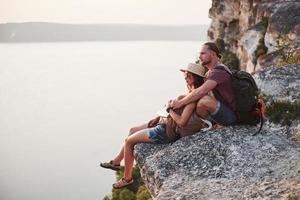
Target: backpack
[{"x": 250, "y": 109}]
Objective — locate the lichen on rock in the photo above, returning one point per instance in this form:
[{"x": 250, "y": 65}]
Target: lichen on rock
[{"x": 282, "y": 83}]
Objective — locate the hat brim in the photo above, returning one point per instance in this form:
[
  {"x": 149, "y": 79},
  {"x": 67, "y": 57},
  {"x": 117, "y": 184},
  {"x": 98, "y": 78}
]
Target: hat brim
[{"x": 185, "y": 70}]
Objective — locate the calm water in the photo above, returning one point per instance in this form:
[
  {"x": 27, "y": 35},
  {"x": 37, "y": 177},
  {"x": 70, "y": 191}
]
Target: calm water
[{"x": 64, "y": 107}]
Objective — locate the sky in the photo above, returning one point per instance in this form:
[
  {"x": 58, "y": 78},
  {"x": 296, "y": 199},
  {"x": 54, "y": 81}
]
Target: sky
[{"x": 183, "y": 12}]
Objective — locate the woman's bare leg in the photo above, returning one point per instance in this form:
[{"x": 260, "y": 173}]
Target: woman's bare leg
[
  {"x": 141, "y": 136},
  {"x": 117, "y": 160}
]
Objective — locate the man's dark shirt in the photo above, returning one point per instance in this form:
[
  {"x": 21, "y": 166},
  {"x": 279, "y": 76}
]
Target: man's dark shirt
[{"x": 223, "y": 92}]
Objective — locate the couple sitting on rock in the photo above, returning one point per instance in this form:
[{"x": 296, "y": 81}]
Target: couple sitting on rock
[{"x": 212, "y": 98}]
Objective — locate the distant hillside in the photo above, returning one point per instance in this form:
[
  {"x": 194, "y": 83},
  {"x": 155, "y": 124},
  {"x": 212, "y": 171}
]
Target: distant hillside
[{"x": 52, "y": 32}]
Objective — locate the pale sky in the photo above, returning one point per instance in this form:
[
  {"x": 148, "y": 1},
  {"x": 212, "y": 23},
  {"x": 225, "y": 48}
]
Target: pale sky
[{"x": 106, "y": 11}]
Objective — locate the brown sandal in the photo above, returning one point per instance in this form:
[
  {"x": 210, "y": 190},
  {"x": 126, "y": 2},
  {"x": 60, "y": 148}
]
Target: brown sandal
[
  {"x": 122, "y": 183},
  {"x": 110, "y": 165}
]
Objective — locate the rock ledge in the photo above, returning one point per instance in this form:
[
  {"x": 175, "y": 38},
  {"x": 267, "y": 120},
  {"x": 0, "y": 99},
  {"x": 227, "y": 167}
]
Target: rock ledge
[{"x": 228, "y": 163}]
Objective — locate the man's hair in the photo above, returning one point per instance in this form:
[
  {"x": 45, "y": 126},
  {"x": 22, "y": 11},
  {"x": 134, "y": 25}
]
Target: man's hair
[{"x": 213, "y": 47}]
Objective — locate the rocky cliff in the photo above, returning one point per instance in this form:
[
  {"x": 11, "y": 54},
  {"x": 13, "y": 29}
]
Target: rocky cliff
[
  {"x": 231, "y": 163},
  {"x": 260, "y": 32},
  {"x": 223, "y": 164}
]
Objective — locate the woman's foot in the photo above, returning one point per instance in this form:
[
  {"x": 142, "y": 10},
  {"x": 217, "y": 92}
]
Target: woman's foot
[
  {"x": 122, "y": 183},
  {"x": 110, "y": 165}
]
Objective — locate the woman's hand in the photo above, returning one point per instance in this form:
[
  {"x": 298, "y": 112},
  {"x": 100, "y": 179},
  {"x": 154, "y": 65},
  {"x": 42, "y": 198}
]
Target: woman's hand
[
  {"x": 169, "y": 104},
  {"x": 153, "y": 122}
]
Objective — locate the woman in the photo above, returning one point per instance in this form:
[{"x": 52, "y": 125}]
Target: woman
[{"x": 161, "y": 130}]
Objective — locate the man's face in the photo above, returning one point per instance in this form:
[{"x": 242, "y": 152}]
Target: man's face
[{"x": 205, "y": 56}]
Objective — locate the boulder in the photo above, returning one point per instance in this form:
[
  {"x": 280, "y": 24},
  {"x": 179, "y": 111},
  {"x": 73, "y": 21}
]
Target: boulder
[
  {"x": 228, "y": 163},
  {"x": 282, "y": 83}
]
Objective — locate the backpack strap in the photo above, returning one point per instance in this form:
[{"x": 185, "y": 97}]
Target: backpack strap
[
  {"x": 261, "y": 119},
  {"x": 261, "y": 109},
  {"x": 223, "y": 67}
]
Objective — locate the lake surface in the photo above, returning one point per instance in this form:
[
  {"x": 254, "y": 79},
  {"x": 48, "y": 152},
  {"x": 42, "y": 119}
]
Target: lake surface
[{"x": 64, "y": 107}]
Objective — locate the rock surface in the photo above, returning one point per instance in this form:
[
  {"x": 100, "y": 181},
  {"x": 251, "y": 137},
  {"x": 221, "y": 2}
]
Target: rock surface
[
  {"x": 228, "y": 163},
  {"x": 243, "y": 23},
  {"x": 282, "y": 83}
]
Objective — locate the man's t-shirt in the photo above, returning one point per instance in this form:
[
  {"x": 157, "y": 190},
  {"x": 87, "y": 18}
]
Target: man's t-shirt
[{"x": 223, "y": 91}]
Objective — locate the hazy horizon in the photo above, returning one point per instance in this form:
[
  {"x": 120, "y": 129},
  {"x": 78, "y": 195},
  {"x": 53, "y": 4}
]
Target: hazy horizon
[
  {"x": 100, "y": 11},
  {"x": 60, "y": 114},
  {"x": 145, "y": 20},
  {"x": 48, "y": 32},
  {"x": 126, "y": 23}
]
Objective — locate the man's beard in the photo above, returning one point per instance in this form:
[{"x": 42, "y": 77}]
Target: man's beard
[{"x": 206, "y": 62}]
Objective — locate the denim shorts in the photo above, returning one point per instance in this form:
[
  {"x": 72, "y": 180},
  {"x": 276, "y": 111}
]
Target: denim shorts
[
  {"x": 158, "y": 134},
  {"x": 224, "y": 115}
]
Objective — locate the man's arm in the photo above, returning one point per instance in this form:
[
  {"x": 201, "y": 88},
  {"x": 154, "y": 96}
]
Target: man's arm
[
  {"x": 195, "y": 95},
  {"x": 180, "y": 97},
  {"x": 182, "y": 119}
]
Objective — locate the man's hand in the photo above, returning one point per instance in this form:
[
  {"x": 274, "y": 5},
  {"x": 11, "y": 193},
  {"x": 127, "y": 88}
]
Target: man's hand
[
  {"x": 153, "y": 122},
  {"x": 174, "y": 104}
]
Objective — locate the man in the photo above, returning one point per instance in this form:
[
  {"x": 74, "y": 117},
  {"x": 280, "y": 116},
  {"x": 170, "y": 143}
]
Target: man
[{"x": 220, "y": 104}]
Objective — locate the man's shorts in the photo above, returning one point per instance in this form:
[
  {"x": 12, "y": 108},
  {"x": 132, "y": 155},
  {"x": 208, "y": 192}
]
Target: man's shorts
[
  {"x": 158, "y": 134},
  {"x": 224, "y": 115}
]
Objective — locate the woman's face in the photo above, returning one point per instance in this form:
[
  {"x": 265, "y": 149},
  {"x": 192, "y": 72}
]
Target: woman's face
[{"x": 189, "y": 79}]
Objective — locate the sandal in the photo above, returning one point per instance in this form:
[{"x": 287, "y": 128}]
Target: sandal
[
  {"x": 110, "y": 165},
  {"x": 122, "y": 183}
]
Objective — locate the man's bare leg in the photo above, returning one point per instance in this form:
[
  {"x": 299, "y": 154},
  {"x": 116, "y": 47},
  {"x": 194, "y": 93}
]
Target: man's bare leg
[{"x": 205, "y": 106}]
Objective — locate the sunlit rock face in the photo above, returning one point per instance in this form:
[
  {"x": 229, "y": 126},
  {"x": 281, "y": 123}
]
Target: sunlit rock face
[{"x": 247, "y": 25}]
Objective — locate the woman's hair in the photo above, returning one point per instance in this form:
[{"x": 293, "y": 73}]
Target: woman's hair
[{"x": 198, "y": 80}]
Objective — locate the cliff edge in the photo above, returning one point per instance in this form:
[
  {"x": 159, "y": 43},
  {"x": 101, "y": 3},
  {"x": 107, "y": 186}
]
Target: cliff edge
[
  {"x": 223, "y": 164},
  {"x": 230, "y": 163}
]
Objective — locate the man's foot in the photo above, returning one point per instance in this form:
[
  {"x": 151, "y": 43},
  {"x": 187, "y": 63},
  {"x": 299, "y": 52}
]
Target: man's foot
[
  {"x": 122, "y": 183},
  {"x": 110, "y": 165}
]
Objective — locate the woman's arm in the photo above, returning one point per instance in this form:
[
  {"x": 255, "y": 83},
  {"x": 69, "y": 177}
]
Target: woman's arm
[{"x": 182, "y": 119}]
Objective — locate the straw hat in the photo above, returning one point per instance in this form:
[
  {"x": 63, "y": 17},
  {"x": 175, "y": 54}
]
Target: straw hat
[{"x": 195, "y": 69}]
